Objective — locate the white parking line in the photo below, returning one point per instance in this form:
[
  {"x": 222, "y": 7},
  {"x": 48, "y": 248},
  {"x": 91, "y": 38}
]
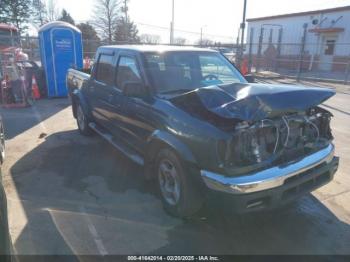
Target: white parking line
[{"x": 93, "y": 232}]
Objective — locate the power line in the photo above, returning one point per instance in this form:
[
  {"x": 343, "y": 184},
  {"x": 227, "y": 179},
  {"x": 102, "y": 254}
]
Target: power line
[{"x": 181, "y": 30}]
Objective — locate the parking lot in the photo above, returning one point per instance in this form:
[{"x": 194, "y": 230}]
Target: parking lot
[{"x": 69, "y": 194}]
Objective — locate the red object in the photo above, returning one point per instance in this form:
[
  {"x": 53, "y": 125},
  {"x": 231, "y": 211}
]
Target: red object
[
  {"x": 87, "y": 63},
  {"x": 244, "y": 67},
  {"x": 327, "y": 30},
  {"x": 35, "y": 89},
  {"x": 8, "y": 27}
]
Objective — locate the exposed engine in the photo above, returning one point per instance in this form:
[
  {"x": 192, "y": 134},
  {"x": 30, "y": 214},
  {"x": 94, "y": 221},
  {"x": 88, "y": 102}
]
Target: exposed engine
[
  {"x": 281, "y": 139},
  {"x": 266, "y": 123}
]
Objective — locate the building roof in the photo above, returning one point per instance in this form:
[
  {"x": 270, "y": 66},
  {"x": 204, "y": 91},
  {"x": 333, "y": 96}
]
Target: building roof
[
  {"x": 329, "y": 10},
  {"x": 156, "y": 48}
]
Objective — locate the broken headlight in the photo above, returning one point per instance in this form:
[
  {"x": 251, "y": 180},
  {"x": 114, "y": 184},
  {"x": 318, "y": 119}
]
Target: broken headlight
[{"x": 286, "y": 137}]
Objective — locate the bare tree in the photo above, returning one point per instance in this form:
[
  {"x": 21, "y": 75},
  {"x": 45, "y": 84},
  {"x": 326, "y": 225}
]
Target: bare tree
[
  {"x": 52, "y": 11},
  {"x": 39, "y": 16},
  {"x": 149, "y": 39},
  {"x": 204, "y": 42},
  {"x": 180, "y": 41},
  {"x": 106, "y": 17}
]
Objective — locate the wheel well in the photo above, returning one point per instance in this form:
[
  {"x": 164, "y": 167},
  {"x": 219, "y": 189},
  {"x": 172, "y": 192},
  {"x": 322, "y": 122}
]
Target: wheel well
[
  {"x": 152, "y": 152},
  {"x": 74, "y": 106},
  {"x": 154, "y": 148}
]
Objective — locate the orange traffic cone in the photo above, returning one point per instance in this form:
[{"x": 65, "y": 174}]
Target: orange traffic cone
[
  {"x": 244, "y": 67},
  {"x": 35, "y": 88}
]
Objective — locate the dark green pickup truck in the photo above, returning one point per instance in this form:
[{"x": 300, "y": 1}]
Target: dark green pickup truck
[
  {"x": 200, "y": 129},
  {"x": 5, "y": 242}
]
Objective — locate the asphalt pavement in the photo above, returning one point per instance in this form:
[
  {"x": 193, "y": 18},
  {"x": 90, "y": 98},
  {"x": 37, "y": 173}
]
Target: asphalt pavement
[{"x": 69, "y": 194}]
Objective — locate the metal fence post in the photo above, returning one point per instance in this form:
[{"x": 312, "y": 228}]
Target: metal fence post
[
  {"x": 279, "y": 47},
  {"x": 250, "y": 58},
  {"x": 302, "y": 50},
  {"x": 259, "y": 50},
  {"x": 347, "y": 72}
]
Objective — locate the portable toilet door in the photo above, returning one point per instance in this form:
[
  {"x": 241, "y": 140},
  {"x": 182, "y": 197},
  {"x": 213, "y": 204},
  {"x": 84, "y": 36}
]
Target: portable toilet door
[{"x": 61, "y": 49}]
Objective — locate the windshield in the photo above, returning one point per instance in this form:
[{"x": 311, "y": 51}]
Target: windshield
[{"x": 173, "y": 72}]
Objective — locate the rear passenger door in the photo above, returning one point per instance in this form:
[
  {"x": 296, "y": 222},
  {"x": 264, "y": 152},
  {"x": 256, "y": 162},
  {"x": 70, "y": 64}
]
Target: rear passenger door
[{"x": 101, "y": 89}]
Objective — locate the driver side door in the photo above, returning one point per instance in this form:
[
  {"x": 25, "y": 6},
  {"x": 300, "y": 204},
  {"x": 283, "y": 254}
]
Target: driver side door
[{"x": 136, "y": 110}]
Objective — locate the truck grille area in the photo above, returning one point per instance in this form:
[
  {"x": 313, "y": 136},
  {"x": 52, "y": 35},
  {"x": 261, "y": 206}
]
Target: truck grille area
[
  {"x": 307, "y": 185},
  {"x": 276, "y": 141},
  {"x": 293, "y": 188}
]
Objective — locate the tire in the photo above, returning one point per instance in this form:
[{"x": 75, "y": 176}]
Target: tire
[
  {"x": 185, "y": 199},
  {"x": 82, "y": 121}
]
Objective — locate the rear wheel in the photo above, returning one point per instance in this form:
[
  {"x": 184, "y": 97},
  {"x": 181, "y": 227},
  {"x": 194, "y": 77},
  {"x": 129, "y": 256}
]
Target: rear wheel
[
  {"x": 82, "y": 121},
  {"x": 180, "y": 196}
]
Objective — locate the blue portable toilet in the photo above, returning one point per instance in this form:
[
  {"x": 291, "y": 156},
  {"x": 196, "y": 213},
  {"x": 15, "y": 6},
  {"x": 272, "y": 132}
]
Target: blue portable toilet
[{"x": 60, "y": 49}]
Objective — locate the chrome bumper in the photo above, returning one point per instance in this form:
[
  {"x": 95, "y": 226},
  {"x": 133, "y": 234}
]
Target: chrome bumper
[{"x": 268, "y": 178}]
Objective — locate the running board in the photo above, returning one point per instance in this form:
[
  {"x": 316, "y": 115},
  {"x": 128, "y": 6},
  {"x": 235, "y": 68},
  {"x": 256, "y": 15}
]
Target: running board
[{"x": 127, "y": 152}]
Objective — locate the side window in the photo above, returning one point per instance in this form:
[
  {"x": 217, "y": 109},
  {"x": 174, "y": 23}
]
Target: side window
[
  {"x": 215, "y": 70},
  {"x": 127, "y": 71},
  {"x": 104, "y": 70}
]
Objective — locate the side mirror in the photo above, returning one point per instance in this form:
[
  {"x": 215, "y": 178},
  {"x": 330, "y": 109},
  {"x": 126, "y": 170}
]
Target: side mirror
[
  {"x": 250, "y": 78},
  {"x": 133, "y": 89}
]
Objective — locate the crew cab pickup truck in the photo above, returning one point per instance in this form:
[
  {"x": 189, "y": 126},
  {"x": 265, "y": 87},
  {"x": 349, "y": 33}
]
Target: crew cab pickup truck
[{"x": 200, "y": 129}]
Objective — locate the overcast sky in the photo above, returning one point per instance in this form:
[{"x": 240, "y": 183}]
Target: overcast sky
[{"x": 220, "y": 19}]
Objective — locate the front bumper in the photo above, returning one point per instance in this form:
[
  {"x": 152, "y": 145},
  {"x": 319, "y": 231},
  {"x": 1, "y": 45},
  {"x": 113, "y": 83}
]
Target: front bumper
[{"x": 273, "y": 186}]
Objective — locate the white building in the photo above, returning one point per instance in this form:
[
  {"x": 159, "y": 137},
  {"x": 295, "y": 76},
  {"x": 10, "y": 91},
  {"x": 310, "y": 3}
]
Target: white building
[{"x": 327, "y": 38}]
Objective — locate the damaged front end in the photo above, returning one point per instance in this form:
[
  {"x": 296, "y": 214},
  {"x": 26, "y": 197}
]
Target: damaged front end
[
  {"x": 265, "y": 125},
  {"x": 278, "y": 140}
]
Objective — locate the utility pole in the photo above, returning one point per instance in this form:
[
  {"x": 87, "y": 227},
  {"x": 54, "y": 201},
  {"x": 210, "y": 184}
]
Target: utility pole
[
  {"x": 126, "y": 10},
  {"x": 242, "y": 31},
  {"x": 172, "y": 23}
]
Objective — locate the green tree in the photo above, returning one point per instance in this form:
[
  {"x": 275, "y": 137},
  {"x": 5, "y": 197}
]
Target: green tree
[
  {"x": 16, "y": 12},
  {"x": 126, "y": 31},
  {"x": 66, "y": 17},
  {"x": 90, "y": 39}
]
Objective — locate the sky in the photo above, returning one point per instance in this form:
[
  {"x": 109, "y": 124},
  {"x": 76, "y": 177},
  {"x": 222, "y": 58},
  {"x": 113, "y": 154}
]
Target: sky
[{"x": 219, "y": 19}]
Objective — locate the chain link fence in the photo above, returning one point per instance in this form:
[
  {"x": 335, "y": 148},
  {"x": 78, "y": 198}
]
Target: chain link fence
[
  {"x": 300, "y": 60},
  {"x": 312, "y": 61}
]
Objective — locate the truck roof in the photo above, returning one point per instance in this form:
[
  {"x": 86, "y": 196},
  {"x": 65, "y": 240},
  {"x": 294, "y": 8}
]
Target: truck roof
[{"x": 153, "y": 48}]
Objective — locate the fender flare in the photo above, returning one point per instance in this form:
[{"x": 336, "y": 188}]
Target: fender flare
[
  {"x": 171, "y": 141},
  {"x": 77, "y": 96}
]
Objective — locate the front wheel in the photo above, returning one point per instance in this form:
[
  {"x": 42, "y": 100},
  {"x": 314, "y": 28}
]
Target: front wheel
[
  {"x": 82, "y": 121},
  {"x": 180, "y": 196}
]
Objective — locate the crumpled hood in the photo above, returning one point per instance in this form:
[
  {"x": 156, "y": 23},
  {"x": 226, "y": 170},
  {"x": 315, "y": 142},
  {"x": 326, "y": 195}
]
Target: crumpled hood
[{"x": 253, "y": 102}]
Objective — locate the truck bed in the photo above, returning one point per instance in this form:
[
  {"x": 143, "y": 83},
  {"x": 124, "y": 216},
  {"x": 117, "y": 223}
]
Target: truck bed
[{"x": 76, "y": 79}]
